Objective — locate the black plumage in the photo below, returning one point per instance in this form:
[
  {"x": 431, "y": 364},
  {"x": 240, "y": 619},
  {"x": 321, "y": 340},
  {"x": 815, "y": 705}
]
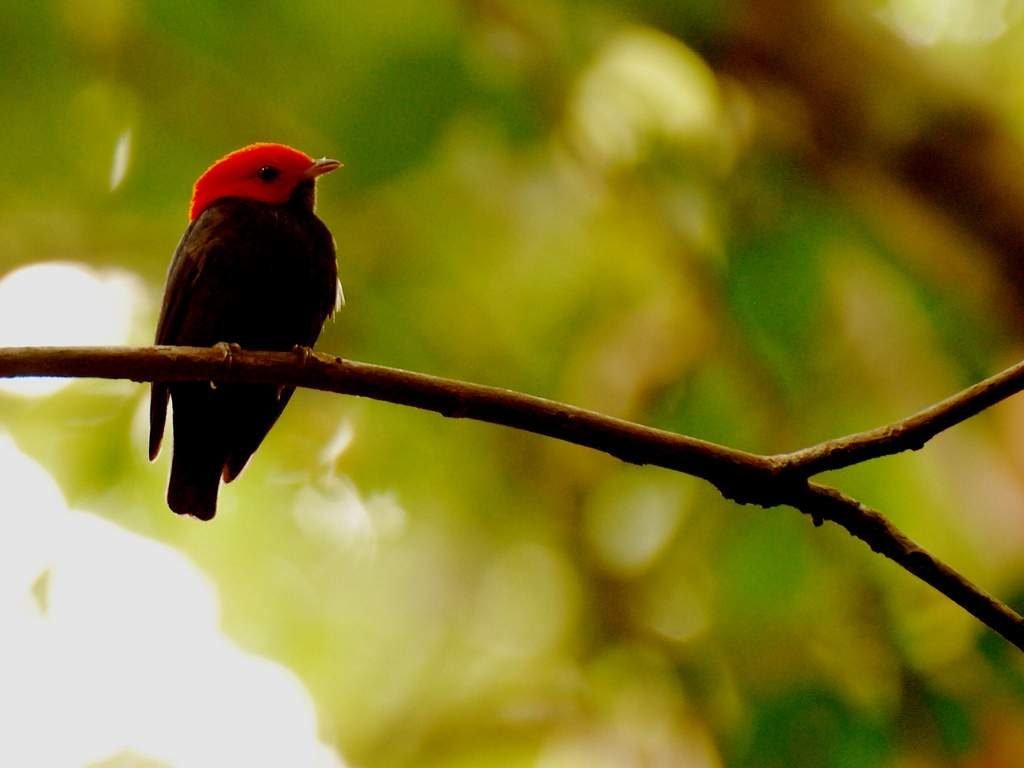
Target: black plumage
[{"x": 246, "y": 272}]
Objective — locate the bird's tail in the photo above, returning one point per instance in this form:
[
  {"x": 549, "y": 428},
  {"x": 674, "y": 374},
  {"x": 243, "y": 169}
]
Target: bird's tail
[
  {"x": 193, "y": 486},
  {"x": 198, "y": 455}
]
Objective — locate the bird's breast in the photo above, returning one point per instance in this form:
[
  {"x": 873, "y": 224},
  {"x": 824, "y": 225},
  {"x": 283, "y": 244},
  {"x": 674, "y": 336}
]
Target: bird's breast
[{"x": 268, "y": 279}]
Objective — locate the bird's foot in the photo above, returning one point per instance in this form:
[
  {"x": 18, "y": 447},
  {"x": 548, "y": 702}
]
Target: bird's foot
[
  {"x": 303, "y": 352},
  {"x": 228, "y": 349}
]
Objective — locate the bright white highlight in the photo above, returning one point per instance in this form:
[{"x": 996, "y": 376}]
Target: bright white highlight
[
  {"x": 110, "y": 646},
  {"x": 931, "y": 22},
  {"x": 63, "y": 303},
  {"x": 644, "y": 89},
  {"x": 338, "y": 444},
  {"x": 332, "y": 510},
  {"x": 119, "y": 165}
]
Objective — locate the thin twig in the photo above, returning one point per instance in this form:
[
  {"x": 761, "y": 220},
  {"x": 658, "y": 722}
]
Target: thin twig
[
  {"x": 910, "y": 434},
  {"x": 745, "y": 477},
  {"x": 871, "y": 527}
]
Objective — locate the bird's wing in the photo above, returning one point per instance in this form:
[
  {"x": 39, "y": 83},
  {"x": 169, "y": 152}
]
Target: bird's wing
[{"x": 186, "y": 265}]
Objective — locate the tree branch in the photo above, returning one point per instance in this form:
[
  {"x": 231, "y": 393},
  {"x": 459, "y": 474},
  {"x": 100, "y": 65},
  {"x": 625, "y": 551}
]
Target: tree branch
[
  {"x": 744, "y": 477},
  {"x": 625, "y": 440}
]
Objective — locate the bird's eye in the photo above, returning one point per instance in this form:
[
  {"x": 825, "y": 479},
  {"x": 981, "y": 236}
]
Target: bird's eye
[{"x": 268, "y": 173}]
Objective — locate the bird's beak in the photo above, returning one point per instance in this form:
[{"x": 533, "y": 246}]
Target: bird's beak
[{"x": 320, "y": 167}]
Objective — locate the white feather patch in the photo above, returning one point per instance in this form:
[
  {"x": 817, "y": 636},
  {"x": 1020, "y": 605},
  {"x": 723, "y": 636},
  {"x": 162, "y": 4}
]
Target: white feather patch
[{"x": 339, "y": 297}]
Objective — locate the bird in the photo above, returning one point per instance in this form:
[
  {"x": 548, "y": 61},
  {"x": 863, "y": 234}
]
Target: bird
[{"x": 254, "y": 268}]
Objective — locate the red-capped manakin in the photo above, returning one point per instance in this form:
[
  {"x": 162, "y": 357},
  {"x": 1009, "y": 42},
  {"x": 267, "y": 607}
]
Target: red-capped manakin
[{"x": 257, "y": 268}]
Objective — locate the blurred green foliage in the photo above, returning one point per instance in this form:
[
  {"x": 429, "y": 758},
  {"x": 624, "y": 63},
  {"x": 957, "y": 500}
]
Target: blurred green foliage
[{"x": 588, "y": 201}]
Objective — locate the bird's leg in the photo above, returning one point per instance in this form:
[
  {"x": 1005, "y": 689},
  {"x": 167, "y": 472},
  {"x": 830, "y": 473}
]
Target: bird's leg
[
  {"x": 304, "y": 353},
  {"x": 228, "y": 349}
]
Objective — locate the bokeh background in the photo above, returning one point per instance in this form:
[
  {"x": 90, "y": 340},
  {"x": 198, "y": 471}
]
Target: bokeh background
[{"x": 760, "y": 222}]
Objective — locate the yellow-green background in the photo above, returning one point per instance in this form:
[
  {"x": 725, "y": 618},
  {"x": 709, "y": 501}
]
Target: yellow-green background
[{"x": 704, "y": 216}]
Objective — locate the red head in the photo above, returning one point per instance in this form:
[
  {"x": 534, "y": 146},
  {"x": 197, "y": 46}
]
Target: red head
[{"x": 266, "y": 172}]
